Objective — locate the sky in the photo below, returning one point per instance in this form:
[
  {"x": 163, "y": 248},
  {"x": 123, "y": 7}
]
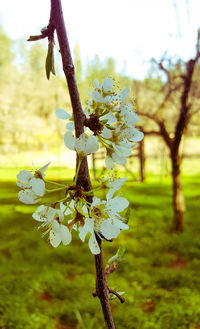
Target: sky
[{"x": 130, "y": 31}]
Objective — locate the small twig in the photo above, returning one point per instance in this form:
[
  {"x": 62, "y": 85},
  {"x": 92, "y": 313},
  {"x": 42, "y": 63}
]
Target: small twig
[
  {"x": 45, "y": 32},
  {"x": 122, "y": 300}
]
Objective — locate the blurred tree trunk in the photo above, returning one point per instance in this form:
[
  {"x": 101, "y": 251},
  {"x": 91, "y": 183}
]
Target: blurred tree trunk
[{"x": 178, "y": 197}]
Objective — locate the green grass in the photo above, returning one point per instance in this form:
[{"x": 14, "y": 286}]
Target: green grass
[{"x": 46, "y": 288}]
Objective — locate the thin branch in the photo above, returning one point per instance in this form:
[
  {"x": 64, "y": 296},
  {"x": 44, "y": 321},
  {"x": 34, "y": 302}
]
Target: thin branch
[
  {"x": 102, "y": 290},
  {"x": 45, "y": 32},
  {"x": 111, "y": 291},
  {"x": 185, "y": 106},
  {"x": 163, "y": 131},
  {"x": 56, "y": 18}
]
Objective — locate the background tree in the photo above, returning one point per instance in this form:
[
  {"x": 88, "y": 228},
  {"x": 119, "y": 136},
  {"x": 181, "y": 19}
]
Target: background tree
[{"x": 169, "y": 105}]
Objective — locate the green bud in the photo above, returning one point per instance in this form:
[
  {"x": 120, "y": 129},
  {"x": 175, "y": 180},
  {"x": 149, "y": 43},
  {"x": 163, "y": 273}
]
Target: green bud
[{"x": 50, "y": 61}]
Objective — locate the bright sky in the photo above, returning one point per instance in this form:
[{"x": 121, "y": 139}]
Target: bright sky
[{"x": 131, "y": 31}]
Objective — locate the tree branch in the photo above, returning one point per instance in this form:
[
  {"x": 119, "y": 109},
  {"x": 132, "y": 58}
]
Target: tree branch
[
  {"x": 57, "y": 20},
  {"x": 184, "y": 106}
]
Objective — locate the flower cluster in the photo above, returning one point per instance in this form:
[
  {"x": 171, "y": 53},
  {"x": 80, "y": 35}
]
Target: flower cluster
[
  {"x": 33, "y": 186},
  {"x": 100, "y": 218},
  {"x": 111, "y": 120}
]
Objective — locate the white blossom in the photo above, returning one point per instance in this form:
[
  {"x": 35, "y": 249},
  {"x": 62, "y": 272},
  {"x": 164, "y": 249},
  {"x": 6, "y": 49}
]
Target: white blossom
[
  {"x": 104, "y": 219},
  {"x": 52, "y": 218},
  {"x": 32, "y": 184},
  {"x": 83, "y": 145}
]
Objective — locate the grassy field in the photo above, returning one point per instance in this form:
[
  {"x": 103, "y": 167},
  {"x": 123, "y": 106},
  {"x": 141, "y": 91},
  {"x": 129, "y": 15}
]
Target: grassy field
[{"x": 46, "y": 288}]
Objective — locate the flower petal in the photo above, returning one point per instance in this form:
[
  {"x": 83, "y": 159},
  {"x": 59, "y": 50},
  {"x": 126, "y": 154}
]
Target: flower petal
[
  {"x": 70, "y": 126},
  {"x": 54, "y": 238},
  {"x": 96, "y": 83},
  {"x": 118, "y": 159},
  {"x": 108, "y": 230},
  {"x": 106, "y": 133},
  {"x": 98, "y": 97},
  {"x": 28, "y": 197},
  {"x": 124, "y": 93},
  {"x": 65, "y": 235},
  {"x": 38, "y": 186},
  {"x": 109, "y": 163},
  {"x": 24, "y": 178},
  {"x": 137, "y": 135},
  {"x": 62, "y": 114},
  {"x": 120, "y": 224},
  {"x": 117, "y": 204},
  {"x": 107, "y": 84},
  {"x": 44, "y": 214},
  {"x": 43, "y": 169},
  {"x": 93, "y": 245},
  {"x": 69, "y": 140},
  {"x": 91, "y": 145},
  {"x": 88, "y": 227}
]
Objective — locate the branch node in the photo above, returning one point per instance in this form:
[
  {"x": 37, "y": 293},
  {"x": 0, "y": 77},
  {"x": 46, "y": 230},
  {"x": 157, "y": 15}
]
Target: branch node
[{"x": 68, "y": 69}]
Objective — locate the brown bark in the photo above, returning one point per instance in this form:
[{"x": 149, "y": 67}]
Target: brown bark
[
  {"x": 102, "y": 288},
  {"x": 178, "y": 197}
]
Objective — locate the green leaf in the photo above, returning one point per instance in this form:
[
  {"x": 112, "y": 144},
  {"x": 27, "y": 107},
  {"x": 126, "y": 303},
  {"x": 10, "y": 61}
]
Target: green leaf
[{"x": 50, "y": 61}]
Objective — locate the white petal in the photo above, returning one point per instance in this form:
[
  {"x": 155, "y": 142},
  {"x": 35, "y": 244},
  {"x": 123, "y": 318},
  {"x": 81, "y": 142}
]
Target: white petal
[
  {"x": 54, "y": 238},
  {"x": 131, "y": 118},
  {"x": 44, "y": 214},
  {"x": 96, "y": 202},
  {"x": 65, "y": 234},
  {"x": 120, "y": 224},
  {"x": 88, "y": 227},
  {"x": 24, "y": 178},
  {"x": 43, "y": 169},
  {"x": 70, "y": 126},
  {"x": 106, "y": 133},
  {"x": 109, "y": 163},
  {"x": 123, "y": 149},
  {"x": 107, "y": 84},
  {"x": 98, "y": 97},
  {"x": 114, "y": 186},
  {"x": 38, "y": 186},
  {"x": 91, "y": 145},
  {"x": 96, "y": 83},
  {"x": 28, "y": 197},
  {"x": 117, "y": 184},
  {"x": 110, "y": 117},
  {"x": 124, "y": 93},
  {"x": 108, "y": 230},
  {"x": 118, "y": 204},
  {"x": 118, "y": 159},
  {"x": 62, "y": 114},
  {"x": 93, "y": 245},
  {"x": 137, "y": 135},
  {"x": 69, "y": 140},
  {"x": 80, "y": 143},
  {"x": 60, "y": 215}
]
